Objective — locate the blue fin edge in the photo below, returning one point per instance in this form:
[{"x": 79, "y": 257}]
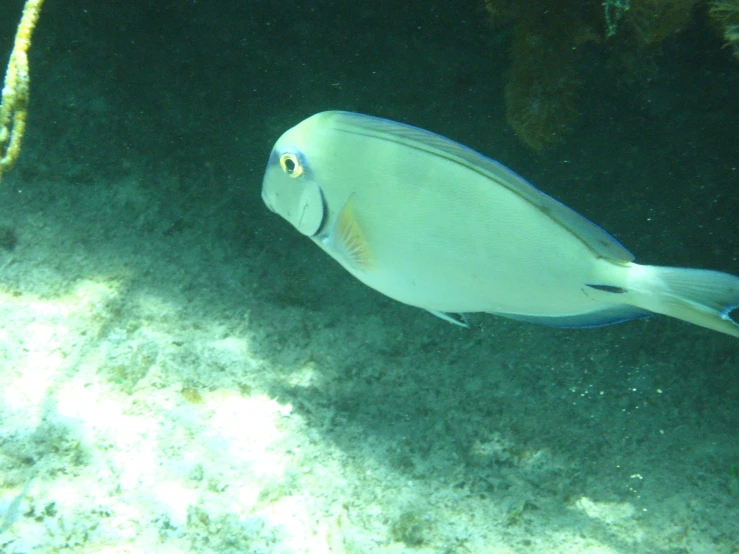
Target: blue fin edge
[{"x": 601, "y": 318}]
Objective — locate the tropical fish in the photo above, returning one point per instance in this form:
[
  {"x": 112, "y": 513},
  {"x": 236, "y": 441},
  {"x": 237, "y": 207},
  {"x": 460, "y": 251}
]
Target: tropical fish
[{"x": 434, "y": 224}]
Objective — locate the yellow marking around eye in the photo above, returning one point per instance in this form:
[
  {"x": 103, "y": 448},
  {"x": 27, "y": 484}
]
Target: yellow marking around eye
[{"x": 291, "y": 165}]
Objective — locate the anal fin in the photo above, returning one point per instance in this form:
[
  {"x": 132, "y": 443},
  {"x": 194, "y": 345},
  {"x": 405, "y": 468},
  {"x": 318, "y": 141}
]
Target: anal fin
[{"x": 456, "y": 319}]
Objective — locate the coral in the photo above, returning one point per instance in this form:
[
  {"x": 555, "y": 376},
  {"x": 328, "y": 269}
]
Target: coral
[
  {"x": 410, "y": 528},
  {"x": 498, "y": 10},
  {"x": 613, "y": 11},
  {"x": 656, "y": 20},
  {"x": 15, "y": 89},
  {"x": 542, "y": 84},
  {"x": 726, "y": 14},
  {"x": 540, "y": 91}
]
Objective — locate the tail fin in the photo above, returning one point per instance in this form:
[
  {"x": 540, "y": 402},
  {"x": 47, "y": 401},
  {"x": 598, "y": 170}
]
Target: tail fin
[{"x": 700, "y": 296}]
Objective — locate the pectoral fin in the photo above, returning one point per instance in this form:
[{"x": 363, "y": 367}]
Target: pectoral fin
[{"x": 348, "y": 241}]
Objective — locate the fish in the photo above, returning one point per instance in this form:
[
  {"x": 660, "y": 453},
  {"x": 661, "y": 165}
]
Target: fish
[{"x": 434, "y": 224}]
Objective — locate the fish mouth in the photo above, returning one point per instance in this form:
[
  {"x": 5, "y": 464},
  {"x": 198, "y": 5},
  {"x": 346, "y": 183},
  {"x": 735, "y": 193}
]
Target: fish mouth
[{"x": 266, "y": 202}]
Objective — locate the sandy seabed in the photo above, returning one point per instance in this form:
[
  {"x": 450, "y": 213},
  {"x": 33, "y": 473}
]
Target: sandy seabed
[{"x": 167, "y": 388}]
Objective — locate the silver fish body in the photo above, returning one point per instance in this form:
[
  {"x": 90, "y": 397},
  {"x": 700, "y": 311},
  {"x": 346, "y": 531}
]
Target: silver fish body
[{"x": 431, "y": 223}]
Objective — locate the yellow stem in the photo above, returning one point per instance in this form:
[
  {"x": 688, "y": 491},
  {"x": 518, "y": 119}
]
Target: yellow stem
[{"x": 15, "y": 92}]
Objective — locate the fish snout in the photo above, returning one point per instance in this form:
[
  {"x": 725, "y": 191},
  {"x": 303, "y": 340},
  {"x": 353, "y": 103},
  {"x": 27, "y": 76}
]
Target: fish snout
[{"x": 267, "y": 202}]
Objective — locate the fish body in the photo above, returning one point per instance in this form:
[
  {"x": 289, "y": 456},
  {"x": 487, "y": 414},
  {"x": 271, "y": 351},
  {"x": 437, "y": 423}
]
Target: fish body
[{"x": 434, "y": 224}]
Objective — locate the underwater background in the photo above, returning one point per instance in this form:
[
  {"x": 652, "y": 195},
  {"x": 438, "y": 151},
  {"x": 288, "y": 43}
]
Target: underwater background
[{"x": 181, "y": 371}]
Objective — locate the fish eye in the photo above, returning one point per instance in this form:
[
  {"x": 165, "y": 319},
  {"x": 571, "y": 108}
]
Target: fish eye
[{"x": 291, "y": 165}]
